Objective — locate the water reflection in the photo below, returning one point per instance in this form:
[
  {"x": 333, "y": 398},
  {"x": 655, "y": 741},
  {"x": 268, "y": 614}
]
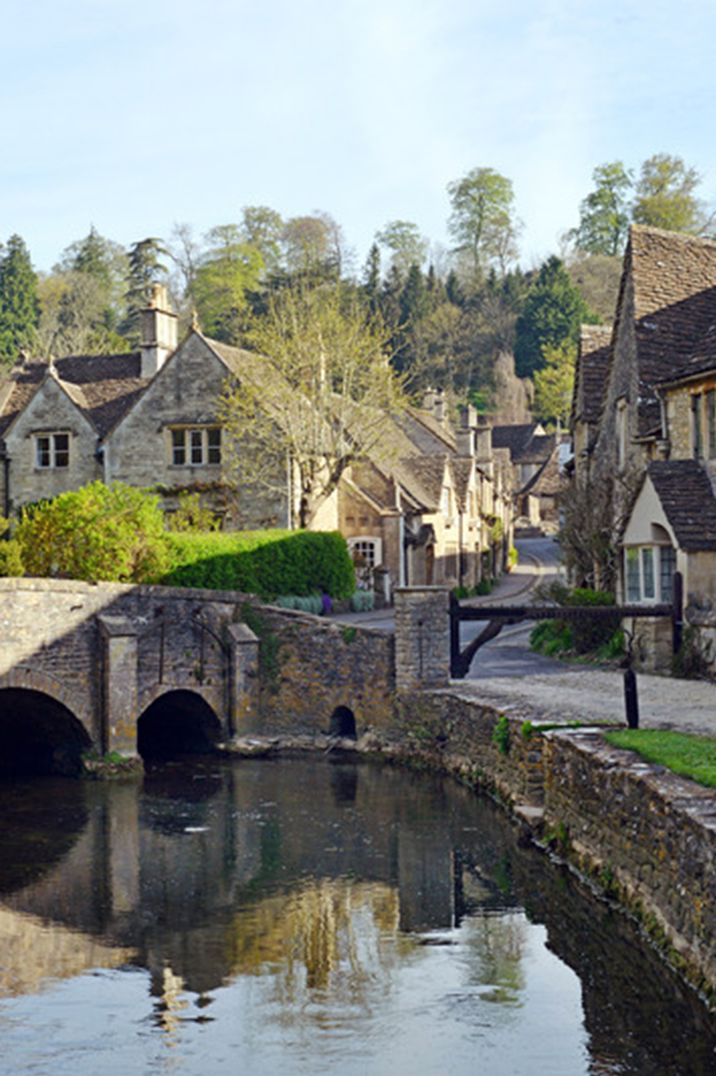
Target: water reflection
[{"x": 346, "y": 918}]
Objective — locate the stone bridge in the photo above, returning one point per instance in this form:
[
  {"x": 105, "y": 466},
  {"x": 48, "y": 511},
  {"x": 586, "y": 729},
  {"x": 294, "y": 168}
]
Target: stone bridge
[
  {"x": 117, "y": 667},
  {"x": 104, "y": 661}
]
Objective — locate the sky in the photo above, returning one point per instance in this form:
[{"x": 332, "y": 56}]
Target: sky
[{"x": 133, "y": 116}]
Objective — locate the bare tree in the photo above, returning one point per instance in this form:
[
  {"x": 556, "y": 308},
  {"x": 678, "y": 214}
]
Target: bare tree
[{"x": 313, "y": 397}]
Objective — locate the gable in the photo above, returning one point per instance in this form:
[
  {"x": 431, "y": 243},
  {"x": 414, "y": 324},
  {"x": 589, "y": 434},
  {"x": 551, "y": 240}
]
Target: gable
[{"x": 49, "y": 408}]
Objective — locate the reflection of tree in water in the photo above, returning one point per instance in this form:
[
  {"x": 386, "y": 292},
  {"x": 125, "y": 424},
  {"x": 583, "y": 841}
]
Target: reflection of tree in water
[
  {"x": 335, "y": 937},
  {"x": 496, "y": 944}
]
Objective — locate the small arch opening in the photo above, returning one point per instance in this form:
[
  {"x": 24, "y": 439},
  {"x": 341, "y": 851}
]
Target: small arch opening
[
  {"x": 177, "y": 723},
  {"x": 343, "y": 723},
  {"x": 39, "y": 735}
]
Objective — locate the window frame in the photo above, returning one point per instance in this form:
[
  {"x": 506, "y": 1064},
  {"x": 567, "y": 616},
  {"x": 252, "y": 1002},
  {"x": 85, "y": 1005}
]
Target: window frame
[
  {"x": 57, "y": 455},
  {"x": 195, "y": 446},
  {"x": 645, "y": 578}
]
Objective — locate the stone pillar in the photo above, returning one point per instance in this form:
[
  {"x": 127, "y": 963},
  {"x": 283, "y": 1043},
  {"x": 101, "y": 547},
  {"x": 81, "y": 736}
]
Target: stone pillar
[
  {"x": 422, "y": 637},
  {"x": 243, "y": 680},
  {"x": 119, "y": 684}
]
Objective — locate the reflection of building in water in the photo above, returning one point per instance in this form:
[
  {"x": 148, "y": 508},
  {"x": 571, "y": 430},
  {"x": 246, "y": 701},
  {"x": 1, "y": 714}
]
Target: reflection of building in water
[
  {"x": 33, "y": 952},
  {"x": 170, "y": 1004}
]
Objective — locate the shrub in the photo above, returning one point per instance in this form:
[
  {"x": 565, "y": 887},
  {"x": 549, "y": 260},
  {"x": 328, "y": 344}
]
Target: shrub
[
  {"x": 362, "y": 601},
  {"x": 11, "y": 558},
  {"x": 551, "y": 637},
  {"x": 95, "y": 533},
  {"x": 266, "y": 563},
  {"x": 484, "y": 586},
  {"x": 591, "y": 634},
  {"x": 693, "y": 660},
  {"x": 191, "y": 515},
  {"x": 311, "y": 603}
]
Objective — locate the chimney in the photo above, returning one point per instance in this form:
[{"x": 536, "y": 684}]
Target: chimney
[
  {"x": 483, "y": 441},
  {"x": 465, "y": 433},
  {"x": 159, "y": 331},
  {"x": 439, "y": 407}
]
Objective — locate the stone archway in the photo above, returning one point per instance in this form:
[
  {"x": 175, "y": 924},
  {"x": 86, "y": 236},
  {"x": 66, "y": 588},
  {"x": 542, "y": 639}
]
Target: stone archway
[
  {"x": 177, "y": 722},
  {"x": 39, "y": 735}
]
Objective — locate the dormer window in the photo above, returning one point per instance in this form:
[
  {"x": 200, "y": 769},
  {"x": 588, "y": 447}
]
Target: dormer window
[{"x": 52, "y": 450}]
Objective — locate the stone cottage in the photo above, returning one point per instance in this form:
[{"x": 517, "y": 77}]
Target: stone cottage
[{"x": 433, "y": 504}]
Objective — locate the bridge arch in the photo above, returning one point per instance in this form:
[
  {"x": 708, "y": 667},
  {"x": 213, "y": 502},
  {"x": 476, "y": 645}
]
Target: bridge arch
[
  {"x": 39, "y": 734},
  {"x": 177, "y": 721}
]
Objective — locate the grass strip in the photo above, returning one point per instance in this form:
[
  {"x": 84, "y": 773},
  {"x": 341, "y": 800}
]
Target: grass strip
[{"x": 682, "y": 753}]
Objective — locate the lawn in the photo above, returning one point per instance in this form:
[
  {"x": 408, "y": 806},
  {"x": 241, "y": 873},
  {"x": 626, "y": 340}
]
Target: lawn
[{"x": 690, "y": 756}]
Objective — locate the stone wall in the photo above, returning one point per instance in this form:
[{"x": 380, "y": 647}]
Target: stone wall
[
  {"x": 422, "y": 634},
  {"x": 310, "y": 666},
  {"x": 644, "y": 835}
]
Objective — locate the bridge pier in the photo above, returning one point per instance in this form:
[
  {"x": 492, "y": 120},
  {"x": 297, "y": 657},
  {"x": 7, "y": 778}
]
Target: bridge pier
[
  {"x": 243, "y": 713},
  {"x": 120, "y": 692}
]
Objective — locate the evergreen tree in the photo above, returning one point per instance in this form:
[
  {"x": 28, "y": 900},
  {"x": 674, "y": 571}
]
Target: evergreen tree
[
  {"x": 19, "y": 307},
  {"x": 552, "y": 314},
  {"x": 371, "y": 279},
  {"x": 145, "y": 268}
]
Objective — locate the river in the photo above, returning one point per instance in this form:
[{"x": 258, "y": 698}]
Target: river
[{"x": 313, "y": 916}]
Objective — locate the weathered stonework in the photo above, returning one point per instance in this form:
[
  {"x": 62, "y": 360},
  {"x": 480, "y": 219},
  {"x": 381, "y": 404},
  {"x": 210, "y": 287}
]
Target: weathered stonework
[{"x": 422, "y": 634}]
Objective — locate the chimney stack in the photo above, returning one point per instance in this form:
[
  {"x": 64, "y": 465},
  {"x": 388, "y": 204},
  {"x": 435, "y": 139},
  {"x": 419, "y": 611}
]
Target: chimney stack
[{"x": 159, "y": 331}]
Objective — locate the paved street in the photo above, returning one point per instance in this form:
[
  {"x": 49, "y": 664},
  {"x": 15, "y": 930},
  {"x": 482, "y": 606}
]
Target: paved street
[{"x": 507, "y": 673}]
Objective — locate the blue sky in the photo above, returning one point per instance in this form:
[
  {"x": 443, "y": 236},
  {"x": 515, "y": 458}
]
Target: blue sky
[{"x": 132, "y": 116}]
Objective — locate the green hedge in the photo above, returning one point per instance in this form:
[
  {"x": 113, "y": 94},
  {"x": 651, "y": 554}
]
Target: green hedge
[{"x": 266, "y": 563}]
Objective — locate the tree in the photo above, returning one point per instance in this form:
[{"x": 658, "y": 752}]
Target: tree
[
  {"x": 604, "y": 214},
  {"x": 371, "y": 279},
  {"x": 317, "y": 397},
  {"x": 262, "y": 229},
  {"x": 92, "y": 307},
  {"x": 554, "y": 384},
  {"x": 145, "y": 267},
  {"x": 19, "y": 307},
  {"x": 313, "y": 247},
  {"x": 482, "y": 221},
  {"x": 406, "y": 245},
  {"x": 551, "y": 315},
  {"x": 664, "y": 195},
  {"x": 228, "y": 269}
]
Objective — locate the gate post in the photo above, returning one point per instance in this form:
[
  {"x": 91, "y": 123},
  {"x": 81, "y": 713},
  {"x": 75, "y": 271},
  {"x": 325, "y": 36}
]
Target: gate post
[
  {"x": 119, "y": 684},
  {"x": 422, "y": 637}
]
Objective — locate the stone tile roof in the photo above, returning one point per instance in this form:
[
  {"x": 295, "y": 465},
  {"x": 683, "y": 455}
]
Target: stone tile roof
[
  {"x": 687, "y": 497},
  {"x": 674, "y": 283},
  {"x": 547, "y": 481},
  {"x": 462, "y": 471},
  {"x": 515, "y": 438},
  {"x": 102, "y": 386},
  {"x": 590, "y": 383}
]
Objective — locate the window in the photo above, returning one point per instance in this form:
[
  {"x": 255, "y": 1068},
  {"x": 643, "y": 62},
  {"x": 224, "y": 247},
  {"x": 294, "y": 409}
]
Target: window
[
  {"x": 649, "y": 573},
  {"x": 52, "y": 450},
  {"x": 196, "y": 446},
  {"x": 711, "y": 422},
  {"x": 696, "y": 437},
  {"x": 366, "y": 552}
]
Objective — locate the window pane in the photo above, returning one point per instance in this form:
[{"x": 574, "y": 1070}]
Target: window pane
[
  {"x": 62, "y": 449},
  {"x": 647, "y": 568},
  {"x": 632, "y": 575},
  {"x": 667, "y": 567},
  {"x": 213, "y": 440},
  {"x": 43, "y": 451},
  {"x": 196, "y": 440},
  {"x": 178, "y": 449}
]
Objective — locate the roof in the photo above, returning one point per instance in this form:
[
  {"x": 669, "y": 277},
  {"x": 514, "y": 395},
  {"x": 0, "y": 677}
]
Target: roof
[
  {"x": 590, "y": 383},
  {"x": 515, "y": 438},
  {"x": 103, "y": 387},
  {"x": 674, "y": 282},
  {"x": 687, "y": 497}
]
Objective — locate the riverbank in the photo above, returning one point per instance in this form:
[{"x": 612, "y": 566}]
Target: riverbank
[{"x": 643, "y": 837}]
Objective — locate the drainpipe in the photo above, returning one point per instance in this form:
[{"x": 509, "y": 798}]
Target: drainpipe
[
  {"x": 6, "y": 465},
  {"x": 403, "y": 552}
]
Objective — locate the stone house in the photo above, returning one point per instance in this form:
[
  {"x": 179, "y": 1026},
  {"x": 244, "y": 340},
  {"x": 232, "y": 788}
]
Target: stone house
[
  {"x": 649, "y": 427},
  {"x": 534, "y": 455},
  {"x": 432, "y": 504}
]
